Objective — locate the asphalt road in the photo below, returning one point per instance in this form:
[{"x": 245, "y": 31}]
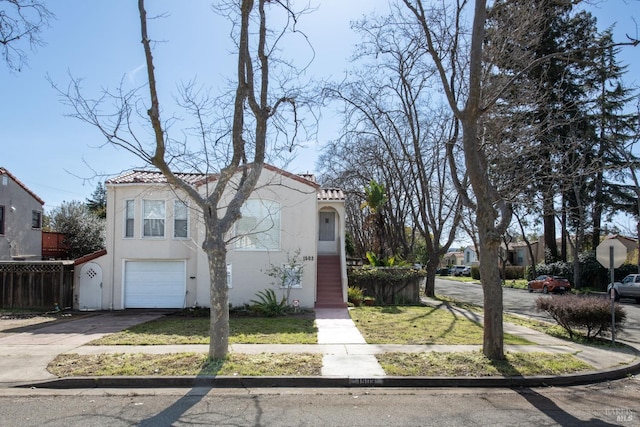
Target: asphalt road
[
  {"x": 604, "y": 404},
  {"x": 522, "y": 302}
]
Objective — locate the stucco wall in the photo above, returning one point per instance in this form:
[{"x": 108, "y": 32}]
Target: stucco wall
[{"x": 19, "y": 240}]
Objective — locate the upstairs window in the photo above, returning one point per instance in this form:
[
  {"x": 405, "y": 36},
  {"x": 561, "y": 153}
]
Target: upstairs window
[
  {"x": 129, "y": 215},
  {"x": 180, "y": 219},
  {"x": 36, "y": 219},
  {"x": 1, "y": 219},
  {"x": 153, "y": 212},
  {"x": 259, "y": 227}
]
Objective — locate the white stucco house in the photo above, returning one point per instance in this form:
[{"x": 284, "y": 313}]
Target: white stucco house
[{"x": 154, "y": 259}]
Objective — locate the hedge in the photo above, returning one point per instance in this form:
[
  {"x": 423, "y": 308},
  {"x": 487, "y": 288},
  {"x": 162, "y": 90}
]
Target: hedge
[{"x": 388, "y": 285}]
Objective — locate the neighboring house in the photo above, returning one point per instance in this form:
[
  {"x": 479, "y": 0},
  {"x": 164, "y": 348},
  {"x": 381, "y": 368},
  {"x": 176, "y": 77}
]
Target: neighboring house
[
  {"x": 518, "y": 253},
  {"x": 452, "y": 258},
  {"x": 154, "y": 257},
  {"x": 467, "y": 256},
  {"x": 20, "y": 220},
  {"x": 631, "y": 245}
]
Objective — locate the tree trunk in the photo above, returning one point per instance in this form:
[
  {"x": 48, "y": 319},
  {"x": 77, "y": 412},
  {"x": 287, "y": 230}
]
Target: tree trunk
[
  {"x": 219, "y": 299},
  {"x": 489, "y": 244},
  {"x": 493, "y": 338},
  {"x": 549, "y": 220},
  {"x": 430, "y": 283}
]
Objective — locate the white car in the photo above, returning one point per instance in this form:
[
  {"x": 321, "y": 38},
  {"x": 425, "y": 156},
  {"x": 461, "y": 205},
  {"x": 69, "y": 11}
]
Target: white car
[
  {"x": 460, "y": 270},
  {"x": 628, "y": 288}
]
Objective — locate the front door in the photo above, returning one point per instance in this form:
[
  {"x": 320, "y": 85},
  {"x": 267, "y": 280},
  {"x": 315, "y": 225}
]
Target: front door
[{"x": 327, "y": 233}]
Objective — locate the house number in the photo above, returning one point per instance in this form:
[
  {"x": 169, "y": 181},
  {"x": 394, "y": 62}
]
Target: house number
[{"x": 307, "y": 258}]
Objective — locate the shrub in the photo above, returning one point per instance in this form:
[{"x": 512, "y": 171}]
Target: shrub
[
  {"x": 558, "y": 268},
  {"x": 592, "y": 274},
  {"x": 591, "y": 314},
  {"x": 268, "y": 304},
  {"x": 513, "y": 272},
  {"x": 623, "y": 271},
  {"x": 390, "y": 261},
  {"x": 387, "y": 284},
  {"x": 354, "y": 294}
]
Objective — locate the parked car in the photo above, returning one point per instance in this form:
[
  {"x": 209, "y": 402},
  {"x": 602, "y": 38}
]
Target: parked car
[
  {"x": 549, "y": 284},
  {"x": 460, "y": 270},
  {"x": 442, "y": 271},
  {"x": 628, "y": 288}
]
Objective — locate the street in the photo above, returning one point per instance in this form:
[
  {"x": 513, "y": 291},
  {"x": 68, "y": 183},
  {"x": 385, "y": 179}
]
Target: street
[{"x": 595, "y": 405}]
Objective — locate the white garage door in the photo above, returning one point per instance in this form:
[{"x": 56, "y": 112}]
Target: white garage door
[{"x": 154, "y": 284}]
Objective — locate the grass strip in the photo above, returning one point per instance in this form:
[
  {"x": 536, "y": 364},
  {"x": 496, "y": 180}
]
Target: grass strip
[
  {"x": 186, "y": 364},
  {"x": 476, "y": 364},
  {"x": 195, "y": 330}
]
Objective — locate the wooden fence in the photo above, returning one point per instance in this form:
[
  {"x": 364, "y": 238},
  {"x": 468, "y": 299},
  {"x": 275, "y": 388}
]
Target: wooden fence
[{"x": 39, "y": 285}]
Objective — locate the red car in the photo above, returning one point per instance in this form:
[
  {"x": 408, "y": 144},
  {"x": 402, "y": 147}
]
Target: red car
[{"x": 547, "y": 283}]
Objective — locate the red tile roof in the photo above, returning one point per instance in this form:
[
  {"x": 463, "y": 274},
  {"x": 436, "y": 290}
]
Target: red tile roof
[
  {"x": 156, "y": 177},
  {"x": 196, "y": 179},
  {"x": 330, "y": 194}
]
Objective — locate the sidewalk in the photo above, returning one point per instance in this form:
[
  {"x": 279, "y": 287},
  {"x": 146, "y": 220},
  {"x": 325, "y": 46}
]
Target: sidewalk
[{"x": 347, "y": 359}]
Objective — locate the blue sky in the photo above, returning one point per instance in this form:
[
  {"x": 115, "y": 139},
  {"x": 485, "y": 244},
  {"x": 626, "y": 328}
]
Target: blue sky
[{"x": 58, "y": 157}]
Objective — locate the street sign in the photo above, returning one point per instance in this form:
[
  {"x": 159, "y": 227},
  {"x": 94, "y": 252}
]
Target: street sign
[{"x": 603, "y": 252}]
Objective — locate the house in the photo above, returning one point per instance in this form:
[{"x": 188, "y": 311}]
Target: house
[
  {"x": 451, "y": 258},
  {"x": 518, "y": 254},
  {"x": 632, "y": 247},
  {"x": 20, "y": 220},
  {"x": 469, "y": 256},
  {"x": 466, "y": 256},
  {"x": 154, "y": 256}
]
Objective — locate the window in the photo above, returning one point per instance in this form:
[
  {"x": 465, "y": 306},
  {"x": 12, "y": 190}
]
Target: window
[
  {"x": 520, "y": 256},
  {"x": 129, "y": 215},
  {"x": 36, "y": 219},
  {"x": 153, "y": 214},
  {"x": 292, "y": 276},
  {"x": 180, "y": 219},
  {"x": 1, "y": 219},
  {"x": 259, "y": 227}
]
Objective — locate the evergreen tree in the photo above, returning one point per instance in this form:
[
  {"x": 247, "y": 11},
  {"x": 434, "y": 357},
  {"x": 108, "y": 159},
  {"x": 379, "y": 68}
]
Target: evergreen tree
[
  {"x": 615, "y": 128},
  {"x": 97, "y": 204},
  {"x": 84, "y": 232}
]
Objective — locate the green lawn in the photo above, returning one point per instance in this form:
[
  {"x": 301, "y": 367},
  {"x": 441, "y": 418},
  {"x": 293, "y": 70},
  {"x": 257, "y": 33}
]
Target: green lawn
[
  {"x": 419, "y": 325},
  {"x": 475, "y": 364},
  {"x": 195, "y": 330},
  {"x": 379, "y": 325},
  {"x": 183, "y": 364}
]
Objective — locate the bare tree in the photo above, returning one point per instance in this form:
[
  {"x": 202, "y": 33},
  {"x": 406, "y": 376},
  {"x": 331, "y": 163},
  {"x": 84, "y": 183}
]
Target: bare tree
[
  {"x": 480, "y": 63},
  {"x": 21, "y": 22},
  {"x": 234, "y": 148},
  {"x": 388, "y": 102}
]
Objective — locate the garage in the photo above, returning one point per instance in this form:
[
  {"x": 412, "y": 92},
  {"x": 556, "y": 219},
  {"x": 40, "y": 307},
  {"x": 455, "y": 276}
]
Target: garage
[{"x": 154, "y": 284}]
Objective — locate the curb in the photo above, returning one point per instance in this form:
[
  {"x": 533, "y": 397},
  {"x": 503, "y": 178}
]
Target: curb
[{"x": 334, "y": 382}]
